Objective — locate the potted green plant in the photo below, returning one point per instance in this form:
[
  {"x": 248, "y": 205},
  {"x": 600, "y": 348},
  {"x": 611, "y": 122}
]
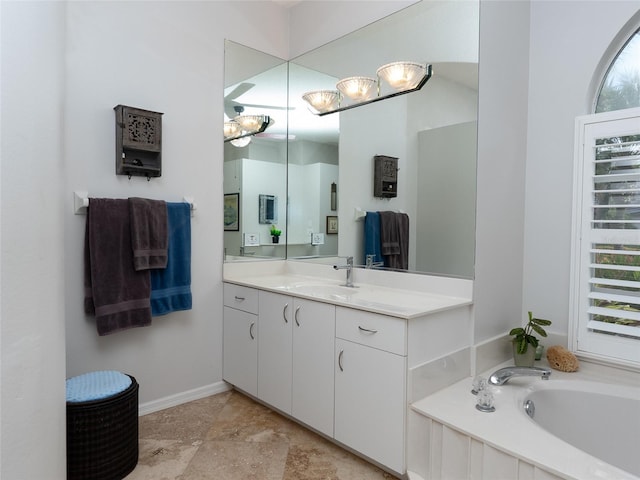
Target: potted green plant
[
  {"x": 275, "y": 234},
  {"x": 523, "y": 337}
]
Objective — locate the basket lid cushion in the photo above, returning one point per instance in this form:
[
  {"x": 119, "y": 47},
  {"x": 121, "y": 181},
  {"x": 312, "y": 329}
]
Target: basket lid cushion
[{"x": 96, "y": 385}]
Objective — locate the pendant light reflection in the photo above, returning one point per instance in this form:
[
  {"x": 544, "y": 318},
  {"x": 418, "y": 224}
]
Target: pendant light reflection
[
  {"x": 400, "y": 77},
  {"x": 240, "y": 130},
  {"x": 231, "y": 129},
  {"x": 241, "y": 142}
]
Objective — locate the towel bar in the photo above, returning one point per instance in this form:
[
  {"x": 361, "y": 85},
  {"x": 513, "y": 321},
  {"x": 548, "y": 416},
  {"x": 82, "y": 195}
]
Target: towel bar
[
  {"x": 81, "y": 202},
  {"x": 359, "y": 214}
]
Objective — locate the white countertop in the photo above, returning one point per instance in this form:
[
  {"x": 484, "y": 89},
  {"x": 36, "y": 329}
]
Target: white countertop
[{"x": 401, "y": 303}]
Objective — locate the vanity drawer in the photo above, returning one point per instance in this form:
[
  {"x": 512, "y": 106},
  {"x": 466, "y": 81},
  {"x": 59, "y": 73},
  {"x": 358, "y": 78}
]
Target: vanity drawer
[
  {"x": 241, "y": 298},
  {"x": 372, "y": 330}
]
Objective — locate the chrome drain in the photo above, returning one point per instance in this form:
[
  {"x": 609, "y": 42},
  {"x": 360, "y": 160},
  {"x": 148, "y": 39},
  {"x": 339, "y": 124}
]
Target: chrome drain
[{"x": 530, "y": 408}]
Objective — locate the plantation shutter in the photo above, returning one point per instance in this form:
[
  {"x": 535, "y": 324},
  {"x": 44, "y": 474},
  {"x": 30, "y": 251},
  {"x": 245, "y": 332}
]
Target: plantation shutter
[{"x": 609, "y": 239}]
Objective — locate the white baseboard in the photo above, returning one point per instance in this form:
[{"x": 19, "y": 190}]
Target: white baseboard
[
  {"x": 413, "y": 476},
  {"x": 183, "y": 397}
]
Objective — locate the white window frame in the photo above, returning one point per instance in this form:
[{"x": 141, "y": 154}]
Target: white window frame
[{"x": 584, "y": 342}]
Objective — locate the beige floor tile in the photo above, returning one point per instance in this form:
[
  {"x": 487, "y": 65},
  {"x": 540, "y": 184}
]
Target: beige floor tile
[
  {"x": 242, "y": 419},
  {"x": 162, "y": 459},
  {"x": 188, "y": 422},
  {"x": 230, "y": 460},
  {"x": 229, "y": 436},
  {"x": 323, "y": 460}
]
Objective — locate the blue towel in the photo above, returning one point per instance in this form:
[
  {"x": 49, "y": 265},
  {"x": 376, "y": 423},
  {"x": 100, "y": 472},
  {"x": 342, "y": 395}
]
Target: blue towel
[
  {"x": 372, "y": 237},
  {"x": 171, "y": 287}
]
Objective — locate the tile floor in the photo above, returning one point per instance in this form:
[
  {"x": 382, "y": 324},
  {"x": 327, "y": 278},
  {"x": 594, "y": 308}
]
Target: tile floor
[{"x": 229, "y": 436}]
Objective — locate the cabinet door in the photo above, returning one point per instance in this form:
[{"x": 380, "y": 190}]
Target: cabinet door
[
  {"x": 274, "y": 352},
  {"x": 370, "y": 402},
  {"x": 240, "y": 349},
  {"x": 313, "y": 358}
]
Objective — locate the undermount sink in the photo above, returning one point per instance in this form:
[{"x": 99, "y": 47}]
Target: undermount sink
[{"x": 324, "y": 290}]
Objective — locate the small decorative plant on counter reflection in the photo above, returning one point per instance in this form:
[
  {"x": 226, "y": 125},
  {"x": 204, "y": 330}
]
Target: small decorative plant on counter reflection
[
  {"x": 275, "y": 234},
  {"x": 524, "y": 336}
]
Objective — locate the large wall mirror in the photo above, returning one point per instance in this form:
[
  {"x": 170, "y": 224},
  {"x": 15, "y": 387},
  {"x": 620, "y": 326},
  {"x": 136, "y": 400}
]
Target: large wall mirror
[
  {"x": 255, "y": 167},
  {"x": 432, "y": 132}
]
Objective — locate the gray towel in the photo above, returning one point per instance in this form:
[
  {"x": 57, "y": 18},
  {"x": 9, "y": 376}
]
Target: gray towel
[
  {"x": 149, "y": 233},
  {"x": 402, "y": 220},
  {"x": 389, "y": 240},
  {"x": 118, "y": 295},
  {"x": 394, "y": 239}
]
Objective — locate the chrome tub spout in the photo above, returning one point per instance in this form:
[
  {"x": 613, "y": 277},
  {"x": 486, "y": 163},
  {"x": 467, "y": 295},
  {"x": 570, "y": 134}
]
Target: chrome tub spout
[{"x": 502, "y": 376}]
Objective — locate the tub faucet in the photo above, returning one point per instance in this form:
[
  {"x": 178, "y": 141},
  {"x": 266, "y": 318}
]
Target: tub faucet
[
  {"x": 502, "y": 376},
  {"x": 349, "y": 268}
]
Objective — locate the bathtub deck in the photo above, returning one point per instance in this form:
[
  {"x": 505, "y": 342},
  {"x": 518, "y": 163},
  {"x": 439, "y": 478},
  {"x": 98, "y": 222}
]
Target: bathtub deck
[{"x": 509, "y": 431}]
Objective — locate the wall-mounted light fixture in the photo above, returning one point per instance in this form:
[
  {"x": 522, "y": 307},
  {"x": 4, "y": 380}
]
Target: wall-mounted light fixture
[
  {"x": 334, "y": 197},
  {"x": 401, "y": 77},
  {"x": 239, "y": 130}
]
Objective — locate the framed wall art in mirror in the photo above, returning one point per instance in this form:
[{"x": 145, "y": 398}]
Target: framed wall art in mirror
[
  {"x": 232, "y": 212},
  {"x": 332, "y": 225}
]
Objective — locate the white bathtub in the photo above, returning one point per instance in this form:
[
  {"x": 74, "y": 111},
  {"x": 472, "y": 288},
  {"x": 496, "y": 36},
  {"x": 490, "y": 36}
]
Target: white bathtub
[
  {"x": 605, "y": 425},
  {"x": 572, "y": 435}
]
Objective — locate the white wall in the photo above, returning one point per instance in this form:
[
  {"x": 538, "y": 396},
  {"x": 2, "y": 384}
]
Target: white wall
[
  {"x": 567, "y": 44},
  {"x": 33, "y": 166},
  {"x": 502, "y": 121},
  {"x": 313, "y": 23},
  {"x": 164, "y": 56},
  {"x": 262, "y": 178},
  {"x": 446, "y": 214}
]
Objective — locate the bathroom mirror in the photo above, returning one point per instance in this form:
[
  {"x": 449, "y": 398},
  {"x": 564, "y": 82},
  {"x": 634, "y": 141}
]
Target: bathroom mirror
[
  {"x": 255, "y": 167},
  {"x": 432, "y": 132}
]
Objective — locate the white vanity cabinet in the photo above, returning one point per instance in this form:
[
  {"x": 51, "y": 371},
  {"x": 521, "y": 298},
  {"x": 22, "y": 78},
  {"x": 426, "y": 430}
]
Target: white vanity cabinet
[
  {"x": 370, "y": 385},
  {"x": 274, "y": 354},
  {"x": 240, "y": 337},
  {"x": 314, "y": 334},
  {"x": 295, "y": 359},
  {"x": 341, "y": 370}
]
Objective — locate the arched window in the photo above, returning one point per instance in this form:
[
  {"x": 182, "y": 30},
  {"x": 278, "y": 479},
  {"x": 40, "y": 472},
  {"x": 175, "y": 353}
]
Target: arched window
[
  {"x": 620, "y": 88},
  {"x": 604, "y": 319}
]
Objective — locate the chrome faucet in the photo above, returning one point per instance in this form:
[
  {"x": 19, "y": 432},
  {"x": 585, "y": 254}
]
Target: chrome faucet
[
  {"x": 349, "y": 268},
  {"x": 370, "y": 263},
  {"x": 502, "y": 376}
]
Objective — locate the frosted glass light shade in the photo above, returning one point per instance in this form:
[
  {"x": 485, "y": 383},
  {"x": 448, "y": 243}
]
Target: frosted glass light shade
[
  {"x": 241, "y": 142},
  {"x": 357, "y": 88},
  {"x": 250, "y": 123},
  {"x": 323, "y": 100},
  {"x": 402, "y": 75},
  {"x": 231, "y": 129}
]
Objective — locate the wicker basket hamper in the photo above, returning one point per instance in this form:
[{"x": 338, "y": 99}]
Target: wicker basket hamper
[{"x": 102, "y": 436}]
